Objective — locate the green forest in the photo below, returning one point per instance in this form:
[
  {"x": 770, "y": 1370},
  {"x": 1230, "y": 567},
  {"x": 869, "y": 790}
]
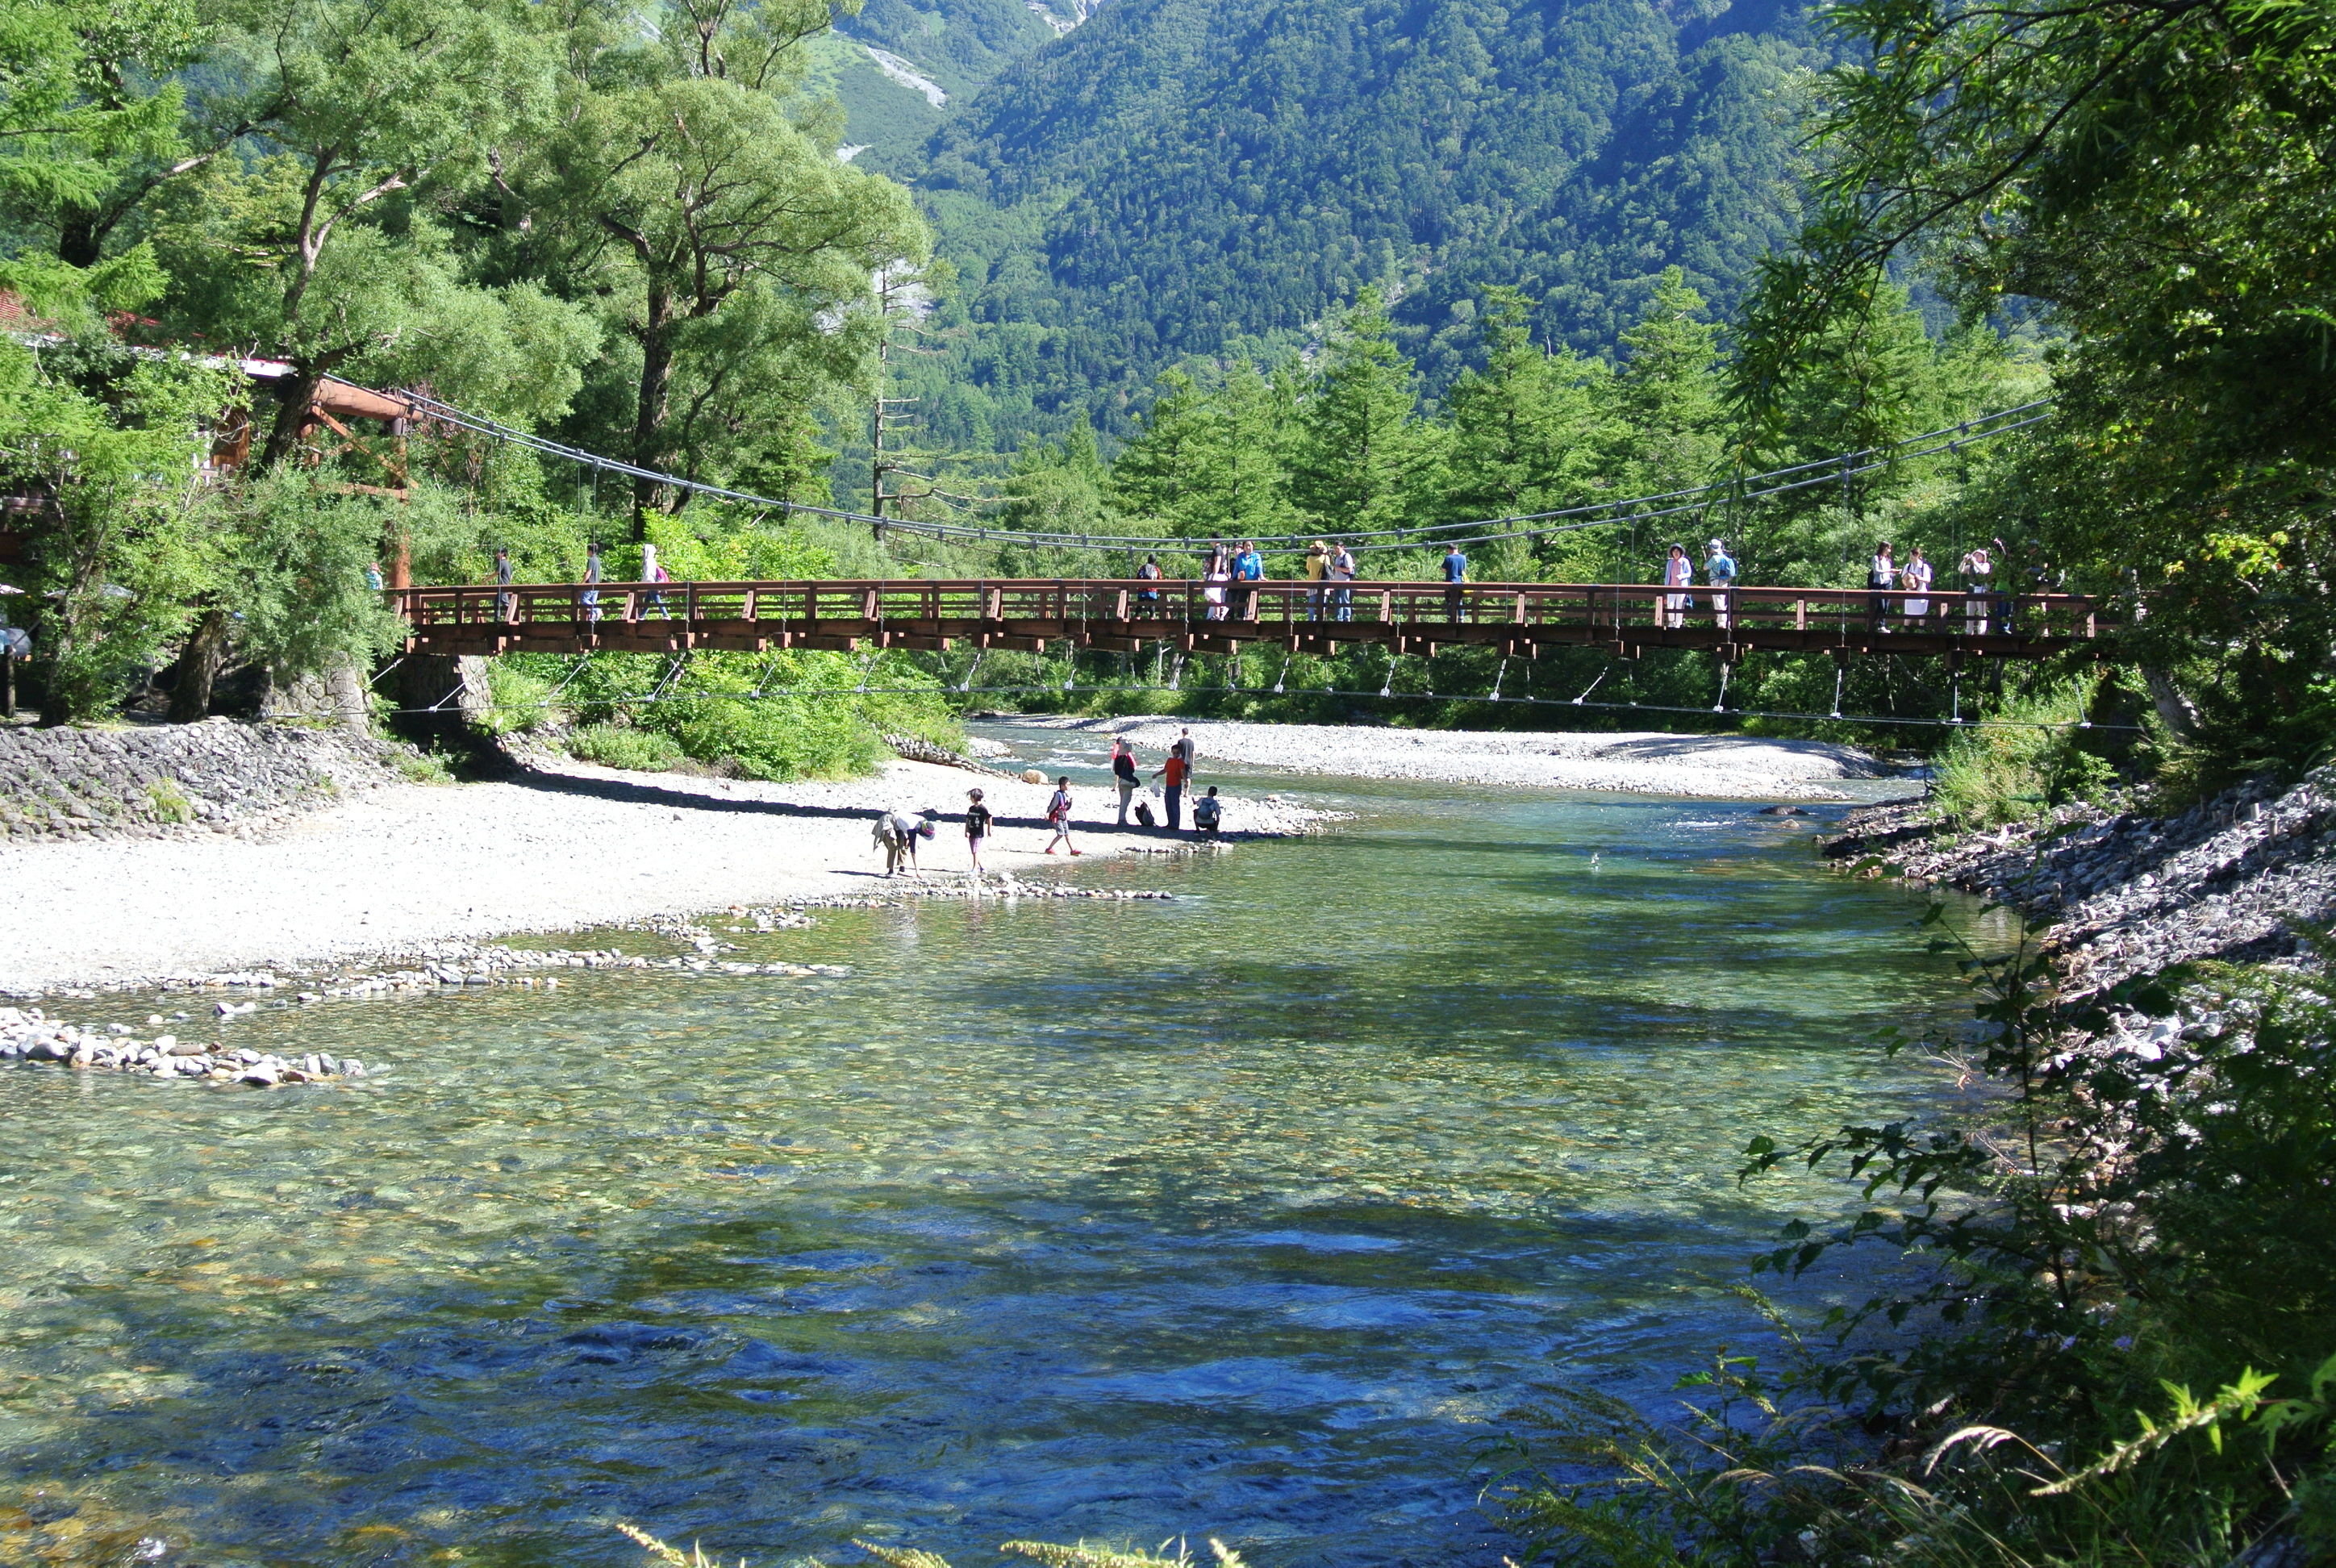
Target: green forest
[{"x": 1209, "y": 272}]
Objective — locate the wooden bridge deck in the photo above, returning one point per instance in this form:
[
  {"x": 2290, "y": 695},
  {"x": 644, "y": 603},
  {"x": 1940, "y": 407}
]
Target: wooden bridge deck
[{"x": 1126, "y": 615}]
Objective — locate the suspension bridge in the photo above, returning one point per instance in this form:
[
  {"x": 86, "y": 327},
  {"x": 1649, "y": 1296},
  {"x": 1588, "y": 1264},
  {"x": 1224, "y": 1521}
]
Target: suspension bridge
[{"x": 1131, "y": 615}]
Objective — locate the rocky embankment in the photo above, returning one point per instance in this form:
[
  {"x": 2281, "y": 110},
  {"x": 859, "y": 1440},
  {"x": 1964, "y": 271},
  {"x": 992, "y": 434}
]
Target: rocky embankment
[
  {"x": 2239, "y": 877},
  {"x": 168, "y": 780}
]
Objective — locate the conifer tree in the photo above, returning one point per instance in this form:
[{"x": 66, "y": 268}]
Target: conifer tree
[
  {"x": 1359, "y": 452},
  {"x": 1529, "y": 430},
  {"x": 1208, "y": 462},
  {"x": 1668, "y": 394}
]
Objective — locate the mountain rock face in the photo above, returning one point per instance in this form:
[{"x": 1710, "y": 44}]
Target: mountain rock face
[
  {"x": 887, "y": 63},
  {"x": 1196, "y": 174}
]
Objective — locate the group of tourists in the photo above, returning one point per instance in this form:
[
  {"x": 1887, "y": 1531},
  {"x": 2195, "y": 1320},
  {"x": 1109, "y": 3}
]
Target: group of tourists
[
  {"x": 1913, "y": 578},
  {"x": 897, "y": 831},
  {"x": 1679, "y": 572},
  {"x": 1229, "y": 574}
]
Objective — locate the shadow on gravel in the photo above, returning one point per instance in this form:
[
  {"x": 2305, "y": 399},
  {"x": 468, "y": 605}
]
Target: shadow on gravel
[{"x": 628, "y": 792}]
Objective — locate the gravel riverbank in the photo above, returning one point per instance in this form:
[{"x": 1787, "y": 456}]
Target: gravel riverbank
[
  {"x": 2238, "y": 877},
  {"x": 556, "y": 847},
  {"x": 1725, "y": 767}
]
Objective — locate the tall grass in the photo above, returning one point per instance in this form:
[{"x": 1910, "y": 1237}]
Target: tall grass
[{"x": 2031, "y": 759}]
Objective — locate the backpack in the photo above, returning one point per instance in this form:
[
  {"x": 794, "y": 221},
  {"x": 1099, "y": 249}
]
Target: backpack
[{"x": 1144, "y": 814}]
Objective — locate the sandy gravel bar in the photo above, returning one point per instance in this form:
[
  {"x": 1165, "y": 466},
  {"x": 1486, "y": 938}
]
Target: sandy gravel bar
[
  {"x": 402, "y": 866},
  {"x": 1727, "y": 767}
]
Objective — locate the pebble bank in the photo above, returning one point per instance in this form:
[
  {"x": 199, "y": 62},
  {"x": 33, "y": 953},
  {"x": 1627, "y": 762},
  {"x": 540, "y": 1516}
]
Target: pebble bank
[{"x": 2130, "y": 893}]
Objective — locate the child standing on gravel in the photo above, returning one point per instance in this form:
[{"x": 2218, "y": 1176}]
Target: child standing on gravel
[
  {"x": 976, "y": 828},
  {"x": 1058, "y": 817}
]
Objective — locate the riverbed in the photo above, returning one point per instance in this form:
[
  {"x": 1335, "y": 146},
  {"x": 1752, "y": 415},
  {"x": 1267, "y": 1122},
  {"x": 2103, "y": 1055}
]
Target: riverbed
[{"x": 1253, "y": 1213}]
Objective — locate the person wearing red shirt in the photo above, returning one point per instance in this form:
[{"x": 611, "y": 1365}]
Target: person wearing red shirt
[{"x": 1171, "y": 774}]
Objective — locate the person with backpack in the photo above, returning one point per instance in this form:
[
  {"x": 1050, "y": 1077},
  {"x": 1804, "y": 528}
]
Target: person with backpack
[
  {"x": 1058, "y": 817},
  {"x": 1123, "y": 773},
  {"x": 1147, "y": 600},
  {"x": 1719, "y": 571},
  {"x": 1456, "y": 585},
  {"x": 1208, "y": 814},
  {"x": 977, "y": 829},
  {"x": 1342, "y": 574}
]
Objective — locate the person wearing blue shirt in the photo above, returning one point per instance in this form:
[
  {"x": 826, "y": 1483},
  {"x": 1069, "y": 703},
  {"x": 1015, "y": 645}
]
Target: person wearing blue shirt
[
  {"x": 1719, "y": 570},
  {"x": 1247, "y": 567},
  {"x": 1456, "y": 578}
]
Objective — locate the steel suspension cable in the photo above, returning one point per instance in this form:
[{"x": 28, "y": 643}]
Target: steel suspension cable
[{"x": 1832, "y": 470}]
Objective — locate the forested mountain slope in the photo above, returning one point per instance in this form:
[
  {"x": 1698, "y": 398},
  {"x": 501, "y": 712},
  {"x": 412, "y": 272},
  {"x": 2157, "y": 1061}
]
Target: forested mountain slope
[
  {"x": 1178, "y": 176},
  {"x": 890, "y": 63}
]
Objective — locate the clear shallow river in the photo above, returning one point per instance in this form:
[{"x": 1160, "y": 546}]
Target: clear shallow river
[{"x": 1247, "y": 1214}]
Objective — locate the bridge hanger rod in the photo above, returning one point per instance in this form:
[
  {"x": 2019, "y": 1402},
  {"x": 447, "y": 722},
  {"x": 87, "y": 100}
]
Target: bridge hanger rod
[{"x": 1336, "y": 691}]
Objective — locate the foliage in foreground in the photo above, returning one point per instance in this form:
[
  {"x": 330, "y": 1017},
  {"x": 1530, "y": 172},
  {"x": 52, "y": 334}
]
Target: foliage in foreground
[{"x": 2108, "y": 1340}]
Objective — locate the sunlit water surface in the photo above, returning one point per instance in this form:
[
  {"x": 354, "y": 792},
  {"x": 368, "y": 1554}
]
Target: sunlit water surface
[{"x": 1250, "y": 1214}]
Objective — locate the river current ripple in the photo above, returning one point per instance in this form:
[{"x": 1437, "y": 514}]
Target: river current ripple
[{"x": 1252, "y": 1213}]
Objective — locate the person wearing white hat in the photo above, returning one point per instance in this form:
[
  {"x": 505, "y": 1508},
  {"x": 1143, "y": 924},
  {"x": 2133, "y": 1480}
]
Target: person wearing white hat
[{"x": 1719, "y": 571}]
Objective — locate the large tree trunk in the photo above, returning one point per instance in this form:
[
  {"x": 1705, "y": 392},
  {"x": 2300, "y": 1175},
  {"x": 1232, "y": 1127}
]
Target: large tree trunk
[
  {"x": 648, "y": 414},
  {"x": 199, "y": 666},
  {"x": 2173, "y": 707},
  {"x": 291, "y": 417}
]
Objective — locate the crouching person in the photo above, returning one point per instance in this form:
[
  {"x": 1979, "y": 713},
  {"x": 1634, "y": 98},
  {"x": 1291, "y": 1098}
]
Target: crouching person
[
  {"x": 1209, "y": 814},
  {"x": 896, "y": 833}
]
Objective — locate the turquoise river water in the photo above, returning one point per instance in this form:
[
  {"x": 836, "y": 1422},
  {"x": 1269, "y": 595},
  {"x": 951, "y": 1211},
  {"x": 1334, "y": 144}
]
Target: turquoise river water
[{"x": 1249, "y": 1214}]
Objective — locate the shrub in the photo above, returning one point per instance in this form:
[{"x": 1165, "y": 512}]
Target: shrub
[
  {"x": 618, "y": 747},
  {"x": 420, "y": 767},
  {"x": 2029, "y": 762},
  {"x": 517, "y": 700},
  {"x": 2141, "y": 1213},
  {"x": 169, "y": 802}
]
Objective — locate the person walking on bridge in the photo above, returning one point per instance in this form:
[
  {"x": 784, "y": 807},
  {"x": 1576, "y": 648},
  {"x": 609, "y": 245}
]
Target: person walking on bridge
[
  {"x": 1456, "y": 585},
  {"x": 1342, "y": 573},
  {"x": 1318, "y": 569},
  {"x": 593, "y": 574},
  {"x": 1215, "y": 572},
  {"x": 506, "y": 602},
  {"x": 1677, "y": 572},
  {"x": 1248, "y": 567},
  {"x": 1147, "y": 600},
  {"x": 1719, "y": 571}
]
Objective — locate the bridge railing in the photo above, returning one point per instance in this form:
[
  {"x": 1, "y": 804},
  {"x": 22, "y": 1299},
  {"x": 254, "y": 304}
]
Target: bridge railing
[{"x": 1847, "y": 615}]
